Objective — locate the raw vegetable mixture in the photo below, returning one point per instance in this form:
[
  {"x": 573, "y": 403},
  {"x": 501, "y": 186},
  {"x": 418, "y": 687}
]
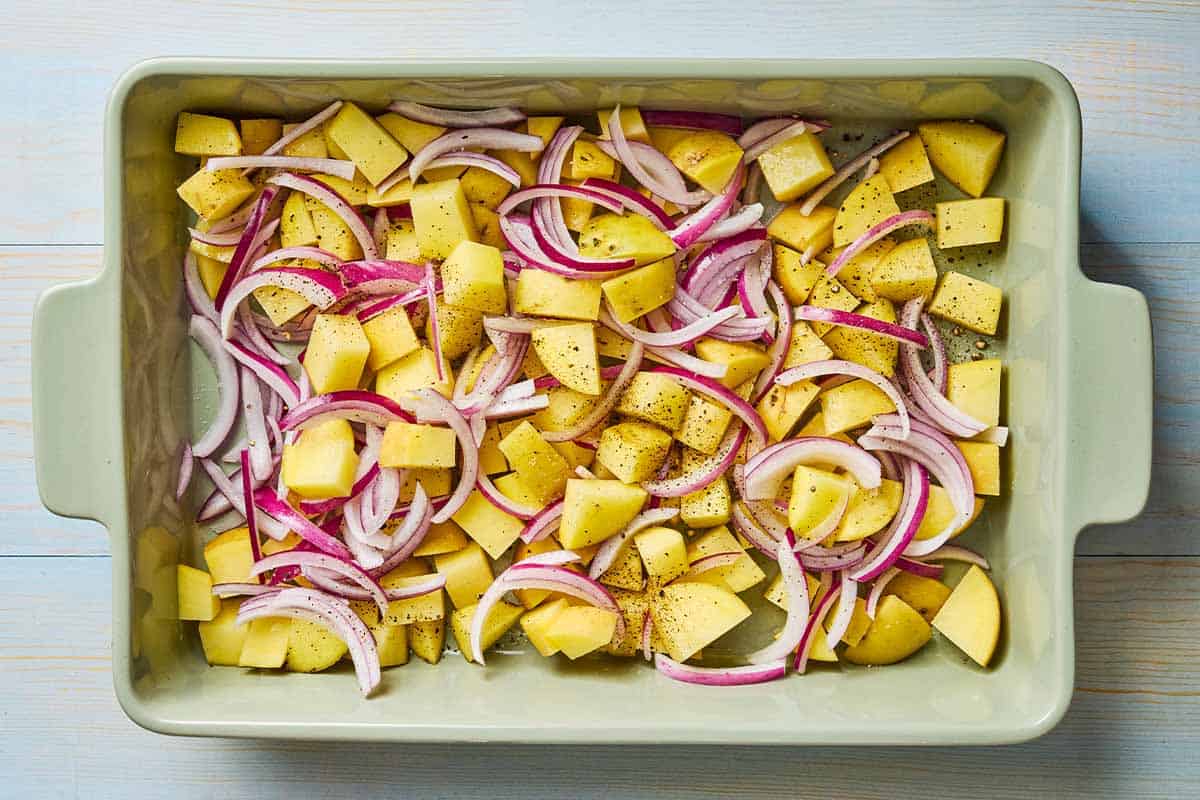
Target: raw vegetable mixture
[{"x": 571, "y": 377}]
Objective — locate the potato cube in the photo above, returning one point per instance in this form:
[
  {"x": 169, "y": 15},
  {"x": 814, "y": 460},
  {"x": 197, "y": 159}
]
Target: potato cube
[
  {"x": 692, "y": 615},
  {"x": 474, "y": 278},
  {"x": 708, "y": 157},
  {"x": 589, "y": 161},
  {"x": 965, "y": 152},
  {"x": 964, "y": 222},
  {"x": 897, "y": 632},
  {"x": 499, "y": 620},
  {"x": 279, "y": 304},
  {"x": 212, "y": 272},
  {"x": 983, "y": 460},
  {"x": 632, "y": 124},
  {"x": 708, "y": 507},
  {"x": 641, "y": 290},
  {"x": 522, "y": 163},
  {"x": 444, "y": 537},
  {"x": 493, "y": 529},
  {"x": 805, "y": 347},
  {"x": 353, "y": 191},
  {"x": 366, "y": 142},
  {"x": 203, "y": 135},
  {"x": 442, "y": 218},
  {"x": 655, "y": 397},
  {"x": 222, "y": 637},
  {"x": 965, "y": 301},
  {"x": 868, "y": 204},
  {"x": 468, "y": 574},
  {"x": 213, "y": 195},
  {"x": 970, "y": 617},
  {"x": 906, "y": 273},
  {"x": 664, "y": 138},
  {"x": 869, "y": 511},
  {"x": 309, "y": 145},
  {"x": 612, "y": 345},
  {"x": 782, "y": 406},
  {"x": 321, "y": 462},
  {"x": 633, "y": 450},
  {"x": 229, "y": 556},
  {"x": 537, "y": 622},
  {"x": 740, "y": 575},
  {"x": 851, "y": 405},
  {"x": 631, "y": 236},
  {"x": 406, "y": 445},
  {"x": 594, "y": 510},
  {"x": 266, "y": 643},
  {"x": 703, "y": 425},
  {"x": 860, "y": 623},
  {"x": 813, "y": 233},
  {"x": 569, "y": 352},
  {"x": 391, "y": 337},
  {"x": 417, "y": 370},
  {"x": 194, "y": 594},
  {"x": 545, "y": 294},
  {"x": 940, "y": 512},
  {"x": 400, "y": 194},
  {"x": 392, "y": 643},
  {"x": 830, "y": 293},
  {"x": 459, "y": 329},
  {"x": 797, "y": 280},
  {"x": 259, "y": 134},
  {"x": 541, "y": 467},
  {"x": 974, "y": 386},
  {"x": 487, "y": 223},
  {"x": 856, "y": 273},
  {"x": 332, "y": 233},
  {"x": 566, "y": 408},
  {"x": 428, "y": 639},
  {"x": 742, "y": 360},
  {"x": 815, "y": 495},
  {"x": 411, "y": 134},
  {"x": 312, "y": 647},
  {"x": 872, "y": 350},
  {"x": 663, "y": 551},
  {"x": 484, "y": 187},
  {"x": 906, "y": 165},
  {"x": 402, "y": 242},
  {"x": 925, "y": 595},
  {"x": 337, "y": 352},
  {"x": 793, "y": 167},
  {"x": 625, "y": 572},
  {"x": 578, "y": 630},
  {"x": 491, "y": 458},
  {"x": 422, "y": 608},
  {"x": 543, "y": 127},
  {"x": 436, "y": 483},
  {"x": 574, "y": 454},
  {"x": 296, "y": 227},
  {"x": 576, "y": 212},
  {"x": 531, "y": 598}
]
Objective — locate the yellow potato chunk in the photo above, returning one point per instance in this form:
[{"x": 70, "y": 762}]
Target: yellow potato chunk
[
  {"x": 484, "y": 187},
  {"x": 794, "y": 166},
  {"x": 965, "y": 152},
  {"x": 869, "y": 511},
  {"x": 906, "y": 165},
  {"x": 965, "y": 301},
  {"x": 703, "y": 425},
  {"x": 441, "y": 218},
  {"x": 459, "y": 329},
  {"x": 633, "y": 451},
  {"x": 213, "y": 195},
  {"x": 594, "y": 510},
  {"x": 266, "y": 643},
  {"x": 925, "y": 595},
  {"x": 435, "y": 481},
  {"x": 428, "y": 639},
  {"x": 474, "y": 278},
  {"x": 312, "y": 647},
  {"x": 321, "y": 462},
  {"x": 782, "y": 406},
  {"x": 444, "y": 537},
  {"x": 543, "y": 127},
  {"x": 632, "y": 124},
  {"x": 983, "y": 460},
  {"x": 742, "y": 360},
  {"x": 974, "y": 386},
  {"x": 851, "y": 405},
  {"x": 940, "y": 512},
  {"x": 589, "y": 161},
  {"x": 406, "y": 445},
  {"x": 816, "y": 494},
  {"x": 296, "y": 227},
  {"x": 964, "y": 222},
  {"x": 204, "y": 135},
  {"x": 337, "y": 352},
  {"x": 222, "y": 637},
  {"x": 805, "y": 347},
  {"x": 259, "y": 134},
  {"x": 641, "y": 290},
  {"x": 566, "y": 408},
  {"x": 830, "y": 293},
  {"x": 855, "y": 273},
  {"x": 738, "y": 576},
  {"x": 280, "y": 304},
  {"x": 536, "y": 625},
  {"x": 332, "y": 233},
  {"x": 708, "y": 507},
  {"x": 709, "y": 158},
  {"x": 545, "y": 294},
  {"x": 663, "y": 552},
  {"x": 657, "y": 398},
  {"x": 353, "y": 191},
  {"x": 631, "y": 236},
  {"x": 541, "y": 467},
  {"x": 970, "y": 617},
  {"x": 308, "y": 145},
  {"x": 499, "y": 620},
  {"x": 417, "y": 370},
  {"x": 569, "y": 352},
  {"x": 626, "y": 570},
  {"x": 411, "y": 134},
  {"x": 421, "y": 608},
  {"x": 229, "y": 556},
  {"x": 194, "y": 594},
  {"x": 868, "y": 204},
  {"x": 212, "y": 272},
  {"x": 391, "y": 337},
  {"x": 366, "y": 142},
  {"x": 493, "y": 529},
  {"x": 468, "y": 574},
  {"x": 872, "y": 350},
  {"x": 905, "y": 273},
  {"x": 402, "y": 242},
  {"x": 578, "y": 630},
  {"x": 692, "y": 615},
  {"x": 897, "y": 632}
]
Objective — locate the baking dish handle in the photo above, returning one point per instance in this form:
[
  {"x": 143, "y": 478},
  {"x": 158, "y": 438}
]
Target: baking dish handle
[
  {"x": 75, "y": 399},
  {"x": 1110, "y": 403}
]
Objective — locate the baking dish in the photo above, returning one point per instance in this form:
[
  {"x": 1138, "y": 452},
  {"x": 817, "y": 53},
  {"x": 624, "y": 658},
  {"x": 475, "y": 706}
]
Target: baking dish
[{"x": 115, "y": 391}]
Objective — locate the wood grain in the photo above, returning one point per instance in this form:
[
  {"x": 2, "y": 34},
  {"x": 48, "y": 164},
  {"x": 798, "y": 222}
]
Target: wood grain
[
  {"x": 1134, "y": 64},
  {"x": 1128, "y": 733}
]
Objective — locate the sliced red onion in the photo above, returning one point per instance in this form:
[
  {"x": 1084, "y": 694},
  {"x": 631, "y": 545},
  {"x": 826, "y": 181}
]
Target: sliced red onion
[
  {"x": 467, "y": 158},
  {"x": 248, "y": 243},
  {"x": 845, "y": 610},
  {"x": 709, "y": 264},
  {"x": 813, "y": 559},
  {"x": 187, "y": 463},
  {"x": 835, "y": 316},
  {"x": 434, "y": 404},
  {"x": 877, "y": 589},
  {"x": 719, "y": 676},
  {"x": 671, "y": 355},
  {"x": 796, "y": 587},
  {"x": 745, "y": 219},
  {"x": 558, "y": 191},
  {"x": 833, "y": 366},
  {"x": 778, "y": 350},
  {"x": 876, "y": 232},
  {"x": 518, "y": 233},
  {"x": 947, "y": 416},
  {"x": 256, "y": 428},
  {"x": 558, "y": 250},
  {"x": 791, "y": 130},
  {"x": 484, "y": 137},
  {"x": 760, "y": 130},
  {"x": 718, "y": 393},
  {"x": 952, "y": 552},
  {"x": 248, "y": 500},
  {"x": 997, "y": 435},
  {"x": 751, "y": 290},
  {"x": 205, "y": 334},
  {"x": 849, "y": 168},
  {"x": 605, "y": 404},
  {"x": 435, "y": 334},
  {"x": 648, "y": 166},
  {"x": 369, "y": 312},
  {"x": 453, "y": 118},
  {"x": 647, "y": 635},
  {"x": 247, "y": 331},
  {"x": 228, "y": 238},
  {"x": 704, "y": 472},
  {"x": 315, "y": 121},
  {"x": 752, "y": 530},
  {"x": 903, "y": 527},
  {"x": 686, "y": 335},
  {"x": 197, "y": 296},
  {"x": 543, "y": 523},
  {"x": 332, "y": 166},
  {"x": 550, "y": 382},
  {"x": 320, "y": 288},
  {"x": 269, "y": 373},
  {"x": 554, "y": 558},
  {"x": 336, "y": 203},
  {"x": 814, "y": 622},
  {"x": 306, "y": 530},
  {"x": 607, "y": 554},
  {"x": 380, "y": 276},
  {"x": 319, "y": 607},
  {"x": 697, "y": 120},
  {"x": 231, "y": 589},
  {"x": 545, "y": 213},
  {"x": 941, "y": 372},
  {"x": 380, "y": 224},
  {"x": 701, "y": 221},
  {"x": 326, "y": 563},
  {"x": 233, "y": 496},
  {"x": 408, "y": 537},
  {"x": 355, "y": 405},
  {"x": 502, "y": 501},
  {"x": 235, "y": 221},
  {"x": 709, "y": 563},
  {"x": 631, "y": 200},
  {"x": 766, "y": 470}
]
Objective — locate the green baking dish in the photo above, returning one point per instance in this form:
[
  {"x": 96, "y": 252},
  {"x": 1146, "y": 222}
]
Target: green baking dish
[{"x": 114, "y": 392}]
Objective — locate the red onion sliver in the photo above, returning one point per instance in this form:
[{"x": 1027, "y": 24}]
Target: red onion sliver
[
  {"x": 256, "y": 428},
  {"x": 945, "y": 415},
  {"x": 814, "y": 622},
  {"x": 486, "y": 138},
  {"x": 632, "y": 201},
  {"x": 248, "y": 500},
  {"x": 318, "y": 287},
  {"x": 937, "y": 346},
  {"x": 469, "y": 468},
  {"x": 718, "y": 393},
  {"x": 835, "y": 316},
  {"x": 903, "y": 527},
  {"x": 833, "y": 366},
  {"x": 544, "y": 523},
  {"x": 699, "y": 222},
  {"x": 686, "y": 335},
  {"x": 323, "y": 561},
  {"x": 336, "y": 203},
  {"x": 705, "y": 472},
  {"x": 848, "y": 169},
  {"x": 606, "y": 402},
  {"x": 205, "y": 334},
  {"x": 796, "y": 588},
  {"x": 271, "y": 374},
  {"x": 877, "y": 589},
  {"x": 452, "y": 118},
  {"x": 467, "y": 158},
  {"x": 647, "y": 635},
  {"x": 642, "y": 160},
  {"x": 332, "y": 166},
  {"x": 611, "y": 546},
  {"x": 306, "y": 530},
  {"x": 766, "y": 470},
  {"x": 187, "y": 463},
  {"x": 791, "y": 130},
  {"x": 719, "y": 676},
  {"x": 845, "y": 610},
  {"x": 251, "y": 239},
  {"x": 698, "y": 120},
  {"x": 355, "y": 405},
  {"x": 952, "y": 552},
  {"x": 309, "y": 124},
  {"x": 877, "y": 232}
]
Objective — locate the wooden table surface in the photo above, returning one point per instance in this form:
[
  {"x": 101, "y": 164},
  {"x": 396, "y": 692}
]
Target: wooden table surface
[{"x": 1133, "y": 728}]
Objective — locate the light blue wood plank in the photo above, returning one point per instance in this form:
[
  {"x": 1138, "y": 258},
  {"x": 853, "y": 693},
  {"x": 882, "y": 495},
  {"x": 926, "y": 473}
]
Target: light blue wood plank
[
  {"x": 1131, "y": 732},
  {"x": 1134, "y": 64}
]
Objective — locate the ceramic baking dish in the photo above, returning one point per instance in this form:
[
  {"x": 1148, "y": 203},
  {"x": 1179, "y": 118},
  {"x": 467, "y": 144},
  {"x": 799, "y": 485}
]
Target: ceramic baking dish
[{"x": 115, "y": 389}]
